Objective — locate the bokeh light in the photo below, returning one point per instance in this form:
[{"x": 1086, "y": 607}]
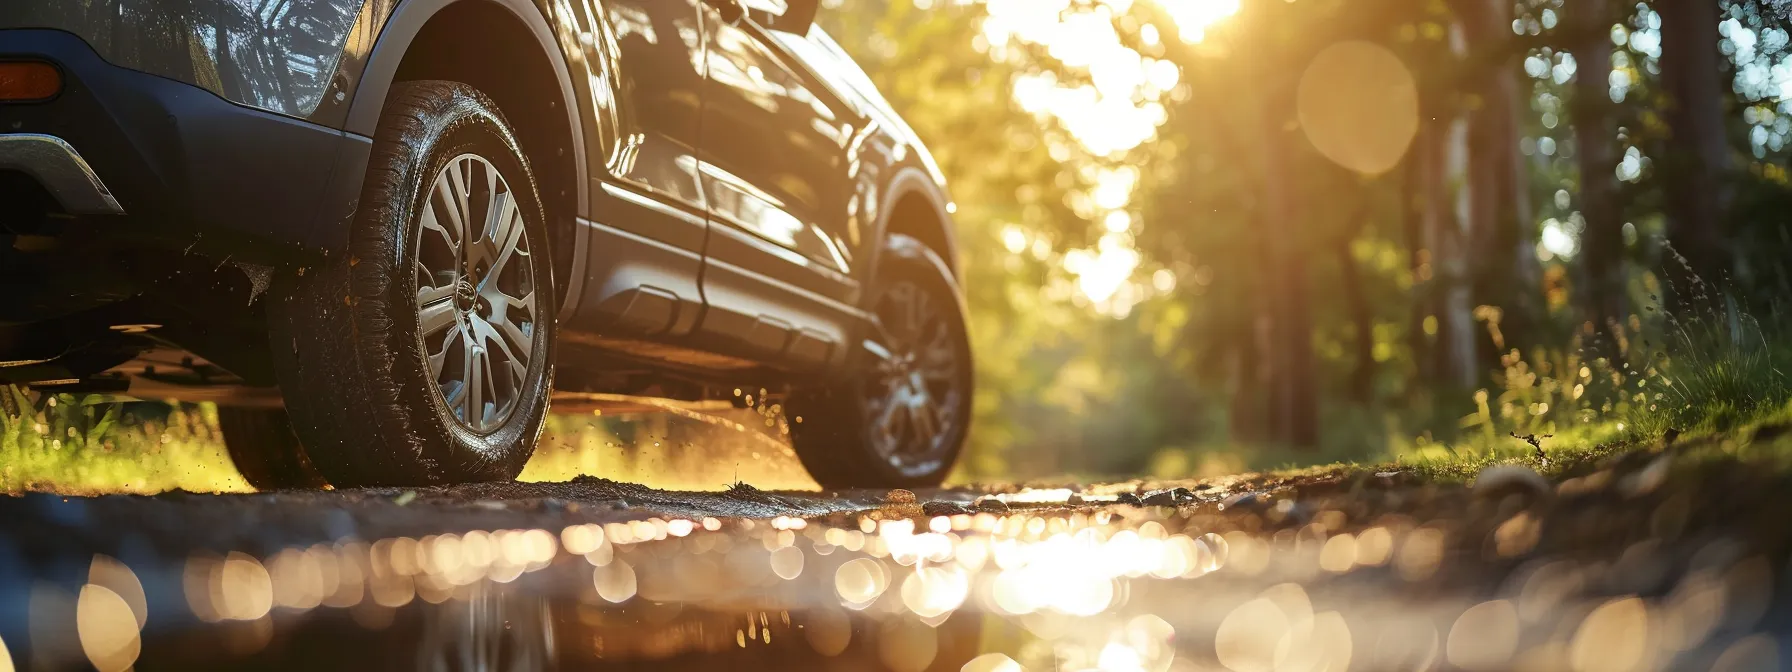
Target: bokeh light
[
  {"x": 1359, "y": 106},
  {"x": 108, "y": 629}
]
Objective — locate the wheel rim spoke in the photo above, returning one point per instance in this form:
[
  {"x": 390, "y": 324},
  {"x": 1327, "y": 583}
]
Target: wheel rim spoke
[
  {"x": 451, "y": 237},
  {"x": 912, "y": 402},
  {"x": 506, "y": 229},
  {"x": 476, "y": 302},
  {"x": 452, "y": 204},
  {"x": 512, "y": 339},
  {"x": 481, "y": 247},
  {"x": 438, "y": 313},
  {"x": 490, "y": 336},
  {"x": 924, "y": 421},
  {"x": 918, "y": 312},
  {"x": 938, "y": 361},
  {"x": 473, "y": 402},
  {"x": 439, "y": 359},
  {"x": 886, "y": 427}
]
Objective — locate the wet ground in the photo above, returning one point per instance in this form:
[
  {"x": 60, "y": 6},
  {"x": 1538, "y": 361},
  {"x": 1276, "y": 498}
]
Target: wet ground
[{"x": 1634, "y": 562}]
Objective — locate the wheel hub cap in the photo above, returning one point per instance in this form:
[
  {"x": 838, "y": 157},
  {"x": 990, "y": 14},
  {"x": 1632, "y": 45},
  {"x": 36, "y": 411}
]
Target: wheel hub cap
[
  {"x": 476, "y": 302},
  {"x": 466, "y": 297},
  {"x": 914, "y": 400}
]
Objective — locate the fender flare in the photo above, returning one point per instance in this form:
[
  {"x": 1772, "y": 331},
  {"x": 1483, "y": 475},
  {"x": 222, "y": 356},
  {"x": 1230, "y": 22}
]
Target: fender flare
[
  {"x": 911, "y": 181},
  {"x": 904, "y": 246},
  {"x": 389, "y": 50}
]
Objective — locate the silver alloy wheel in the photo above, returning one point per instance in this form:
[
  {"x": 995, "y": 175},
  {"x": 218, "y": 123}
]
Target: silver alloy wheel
[
  {"x": 913, "y": 399},
  {"x": 476, "y": 303}
]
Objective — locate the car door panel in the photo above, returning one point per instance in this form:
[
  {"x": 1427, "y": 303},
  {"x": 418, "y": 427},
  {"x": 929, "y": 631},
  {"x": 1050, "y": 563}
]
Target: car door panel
[
  {"x": 777, "y": 282},
  {"x": 647, "y": 224},
  {"x": 659, "y": 44},
  {"x": 752, "y": 230},
  {"x": 754, "y": 316},
  {"x": 774, "y": 150}
]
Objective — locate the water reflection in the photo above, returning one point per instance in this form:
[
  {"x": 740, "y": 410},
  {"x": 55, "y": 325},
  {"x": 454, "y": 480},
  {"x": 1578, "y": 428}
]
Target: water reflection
[
  {"x": 108, "y": 630},
  {"x": 1306, "y": 586}
]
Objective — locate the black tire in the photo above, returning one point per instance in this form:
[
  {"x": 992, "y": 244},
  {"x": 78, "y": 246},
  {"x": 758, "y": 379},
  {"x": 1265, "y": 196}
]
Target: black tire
[
  {"x": 264, "y": 449},
  {"x": 348, "y": 337},
  {"x": 832, "y": 428}
]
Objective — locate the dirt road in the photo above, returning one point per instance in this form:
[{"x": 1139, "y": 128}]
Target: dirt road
[{"x": 1635, "y": 562}]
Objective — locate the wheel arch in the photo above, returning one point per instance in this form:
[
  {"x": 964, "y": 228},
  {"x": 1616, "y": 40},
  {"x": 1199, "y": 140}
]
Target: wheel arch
[
  {"x": 907, "y": 247},
  {"x": 917, "y": 211},
  {"x": 512, "y": 58}
]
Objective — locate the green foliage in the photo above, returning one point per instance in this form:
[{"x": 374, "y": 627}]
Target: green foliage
[
  {"x": 1715, "y": 374},
  {"x": 87, "y": 444},
  {"x": 1174, "y": 385}
]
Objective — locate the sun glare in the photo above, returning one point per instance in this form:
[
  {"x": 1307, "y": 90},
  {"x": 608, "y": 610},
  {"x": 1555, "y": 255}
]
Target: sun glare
[
  {"x": 1194, "y": 17},
  {"x": 1117, "y": 108}
]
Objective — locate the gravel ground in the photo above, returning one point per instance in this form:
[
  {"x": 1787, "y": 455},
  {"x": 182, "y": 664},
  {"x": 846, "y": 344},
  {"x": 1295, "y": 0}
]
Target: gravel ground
[{"x": 1647, "y": 560}]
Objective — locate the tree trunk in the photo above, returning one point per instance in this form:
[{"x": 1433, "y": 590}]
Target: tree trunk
[
  {"x": 1245, "y": 418},
  {"x": 1456, "y": 324},
  {"x": 1415, "y": 229},
  {"x": 1698, "y": 153},
  {"x": 1293, "y": 415},
  {"x": 1527, "y": 312},
  {"x": 1356, "y": 301},
  {"x": 1505, "y": 268},
  {"x": 1602, "y": 242}
]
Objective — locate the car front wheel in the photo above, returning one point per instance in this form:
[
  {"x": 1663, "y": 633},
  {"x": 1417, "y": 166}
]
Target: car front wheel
[{"x": 425, "y": 356}]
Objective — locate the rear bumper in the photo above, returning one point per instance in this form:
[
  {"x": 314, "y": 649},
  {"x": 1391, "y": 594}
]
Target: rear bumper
[
  {"x": 186, "y": 170},
  {"x": 64, "y": 174}
]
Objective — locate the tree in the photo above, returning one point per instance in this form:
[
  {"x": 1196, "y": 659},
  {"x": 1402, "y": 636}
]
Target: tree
[
  {"x": 1698, "y": 159},
  {"x": 1293, "y": 398},
  {"x": 1506, "y": 273},
  {"x": 1602, "y": 242}
]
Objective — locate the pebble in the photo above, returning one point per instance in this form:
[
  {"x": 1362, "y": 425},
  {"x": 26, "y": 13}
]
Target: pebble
[
  {"x": 990, "y": 505},
  {"x": 944, "y": 508},
  {"x": 1292, "y": 511},
  {"x": 1160, "y": 498},
  {"x": 1170, "y": 497},
  {"x": 900, "y": 504},
  {"x": 1502, "y": 479},
  {"x": 1243, "y": 499},
  {"x": 1647, "y": 479}
]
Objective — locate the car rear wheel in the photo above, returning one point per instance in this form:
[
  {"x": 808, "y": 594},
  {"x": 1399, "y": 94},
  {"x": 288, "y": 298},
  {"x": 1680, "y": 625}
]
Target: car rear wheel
[
  {"x": 426, "y": 355},
  {"x": 265, "y": 451},
  {"x": 902, "y": 418}
]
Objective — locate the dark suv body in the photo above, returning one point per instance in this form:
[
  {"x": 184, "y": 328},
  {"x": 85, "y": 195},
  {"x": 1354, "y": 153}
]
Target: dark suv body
[{"x": 406, "y": 225}]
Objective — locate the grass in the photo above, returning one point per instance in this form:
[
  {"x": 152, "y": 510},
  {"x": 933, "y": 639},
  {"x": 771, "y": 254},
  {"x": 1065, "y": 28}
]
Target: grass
[
  {"x": 89, "y": 445},
  {"x": 1712, "y": 376},
  {"x": 81, "y": 445}
]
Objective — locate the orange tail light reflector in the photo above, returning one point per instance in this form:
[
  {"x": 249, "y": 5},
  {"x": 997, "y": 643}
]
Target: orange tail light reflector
[{"x": 23, "y": 81}]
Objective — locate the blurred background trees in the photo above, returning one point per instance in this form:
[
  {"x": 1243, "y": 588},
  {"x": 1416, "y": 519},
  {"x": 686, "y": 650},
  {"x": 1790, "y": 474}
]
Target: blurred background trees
[{"x": 1206, "y": 234}]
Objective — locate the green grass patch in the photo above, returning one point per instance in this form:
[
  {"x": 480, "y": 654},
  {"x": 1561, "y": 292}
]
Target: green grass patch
[{"x": 88, "y": 445}]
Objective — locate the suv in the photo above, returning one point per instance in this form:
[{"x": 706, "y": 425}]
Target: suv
[{"x": 383, "y": 235}]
